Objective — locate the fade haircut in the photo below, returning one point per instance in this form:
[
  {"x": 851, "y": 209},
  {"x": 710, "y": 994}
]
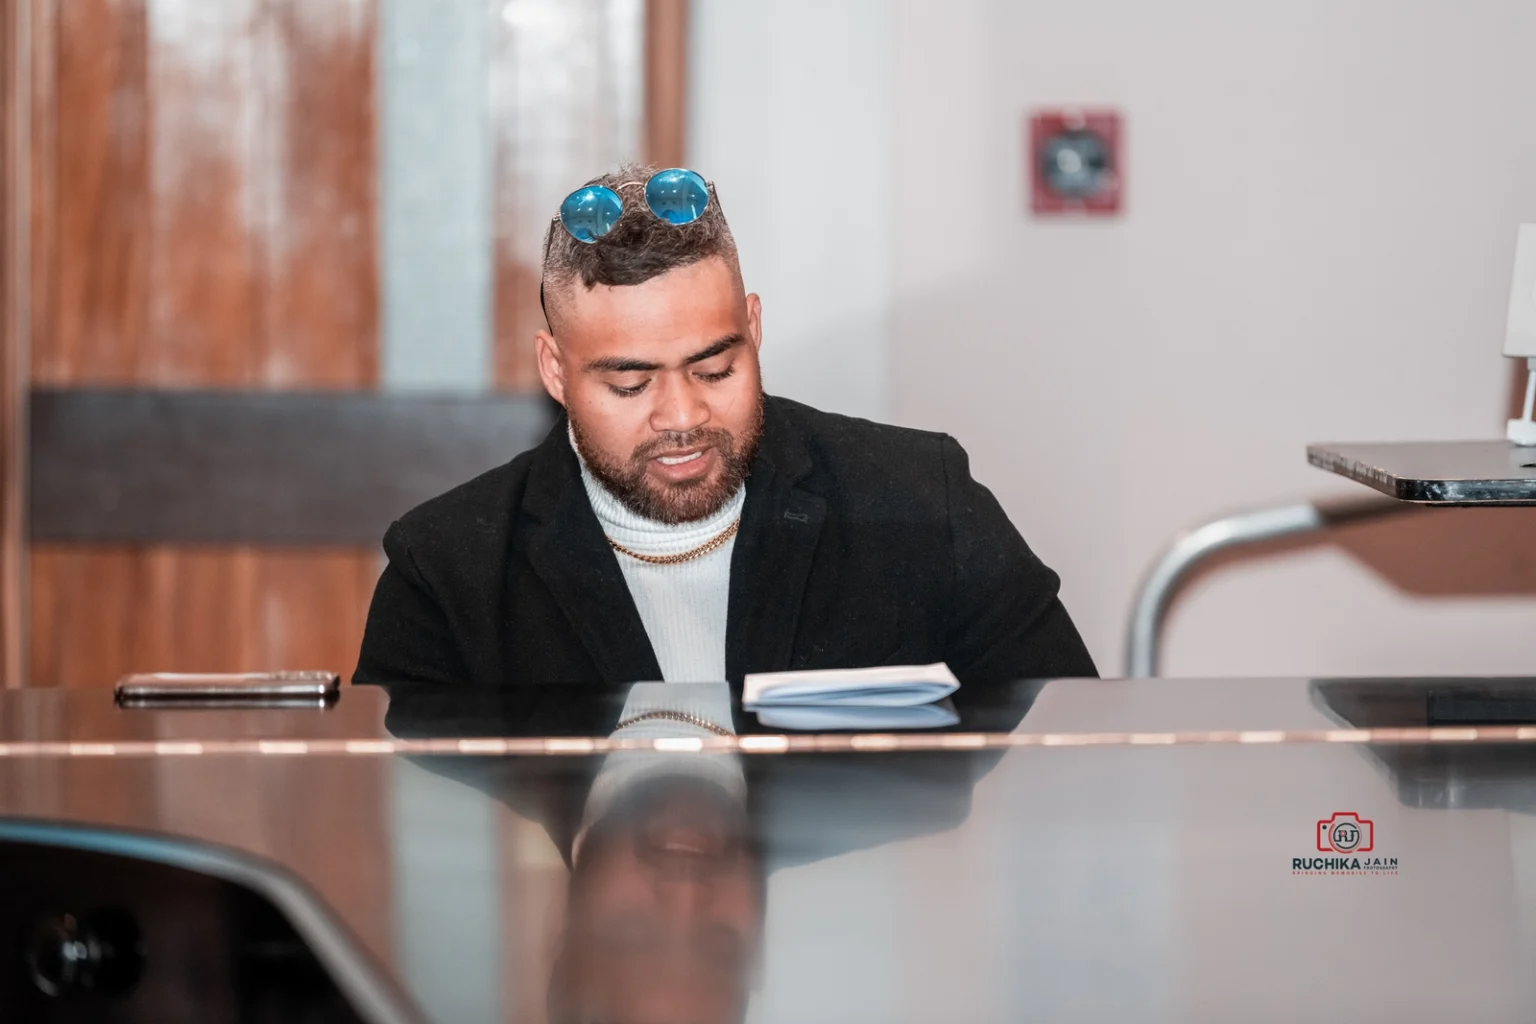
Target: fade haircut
[{"x": 640, "y": 246}]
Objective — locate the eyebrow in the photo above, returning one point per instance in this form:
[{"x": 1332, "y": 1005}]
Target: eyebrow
[{"x": 621, "y": 364}]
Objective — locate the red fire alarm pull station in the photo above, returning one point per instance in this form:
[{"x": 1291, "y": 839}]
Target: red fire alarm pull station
[{"x": 1075, "y": 162}]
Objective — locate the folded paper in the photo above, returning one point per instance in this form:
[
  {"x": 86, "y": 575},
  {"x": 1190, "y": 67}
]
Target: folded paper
[{"x": 888, "y": 686}]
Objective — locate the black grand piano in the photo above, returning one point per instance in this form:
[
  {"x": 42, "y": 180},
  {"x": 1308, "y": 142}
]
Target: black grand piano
[{"x": 1162, "y": 849}]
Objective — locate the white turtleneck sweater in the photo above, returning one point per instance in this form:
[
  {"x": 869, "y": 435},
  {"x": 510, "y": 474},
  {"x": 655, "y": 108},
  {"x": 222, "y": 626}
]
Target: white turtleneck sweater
[{"x": 683, "y": 606}]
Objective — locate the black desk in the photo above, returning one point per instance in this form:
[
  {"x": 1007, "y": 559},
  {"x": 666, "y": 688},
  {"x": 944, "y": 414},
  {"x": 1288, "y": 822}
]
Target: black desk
[{"x": 1128, "y": 850}]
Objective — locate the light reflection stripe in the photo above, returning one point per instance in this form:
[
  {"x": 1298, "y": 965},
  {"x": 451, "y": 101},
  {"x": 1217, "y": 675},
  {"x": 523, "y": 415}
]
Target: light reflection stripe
[
  {"x": 482, "y": 746},
  {"x": 171, "y": 747},
  {"x": 369, "y": 747},
  {"x": 282, "y": 747},
  {"x": 765, "y": 744},
  {"x": 1261, "y": 737},
  {"x": 1363, "y": 736},
  {"x": 678, "y": 744},
  {"x": 1453, "y": 735},
  {"x": 564, "y": 746},
  {"x": 1075, "y": 739},
  {"x": 91, "y": 749}
]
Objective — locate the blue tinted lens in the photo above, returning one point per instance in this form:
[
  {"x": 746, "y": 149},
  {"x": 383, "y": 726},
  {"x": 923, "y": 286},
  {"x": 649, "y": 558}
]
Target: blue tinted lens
[
  {"x": 590, "y": 213},
  {"x": 677, "y": 196}
]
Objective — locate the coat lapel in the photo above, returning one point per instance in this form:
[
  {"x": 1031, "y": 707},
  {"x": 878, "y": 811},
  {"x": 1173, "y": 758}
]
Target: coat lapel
[
  {"x": 780, "y": 526},
  {"x": 571, "y": 556}
]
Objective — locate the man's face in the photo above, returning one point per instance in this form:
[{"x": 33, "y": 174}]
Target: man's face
[{"x": 662, "y": 387}]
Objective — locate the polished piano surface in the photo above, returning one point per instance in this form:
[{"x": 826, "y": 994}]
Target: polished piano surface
[{"x": 1215, "y": 849}]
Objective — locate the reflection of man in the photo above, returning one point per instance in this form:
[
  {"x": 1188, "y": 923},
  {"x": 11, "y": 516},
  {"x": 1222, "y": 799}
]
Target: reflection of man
[
  {"x": 677, "y": 524},
  {"x": 665, "y": 915},
  {"x": 669, "y": 852}
]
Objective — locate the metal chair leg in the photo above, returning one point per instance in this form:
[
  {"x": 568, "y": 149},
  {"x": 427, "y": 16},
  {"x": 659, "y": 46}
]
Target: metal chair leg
[{"x": 1143, "y": 648}]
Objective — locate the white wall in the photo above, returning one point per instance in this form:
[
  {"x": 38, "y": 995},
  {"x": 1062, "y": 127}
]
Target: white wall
[
  {"x": 790, "y": 115},
  {"x": 1322, "y": 200}
]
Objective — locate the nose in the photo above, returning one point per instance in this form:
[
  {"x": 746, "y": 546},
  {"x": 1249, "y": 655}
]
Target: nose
[{"x": 679, "y": 406}]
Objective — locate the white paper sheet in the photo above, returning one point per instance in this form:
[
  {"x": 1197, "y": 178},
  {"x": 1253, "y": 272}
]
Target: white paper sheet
[{"x": 888, "y": 686}]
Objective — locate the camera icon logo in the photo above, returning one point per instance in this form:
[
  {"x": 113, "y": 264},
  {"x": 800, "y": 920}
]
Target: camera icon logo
[{"x": 1346, "y": 832}]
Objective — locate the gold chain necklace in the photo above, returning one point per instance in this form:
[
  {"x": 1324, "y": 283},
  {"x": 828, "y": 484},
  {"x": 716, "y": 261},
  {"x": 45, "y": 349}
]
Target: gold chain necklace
[
  {"x": 685, "y": 556},
  {"x": 676, "y": 716}
]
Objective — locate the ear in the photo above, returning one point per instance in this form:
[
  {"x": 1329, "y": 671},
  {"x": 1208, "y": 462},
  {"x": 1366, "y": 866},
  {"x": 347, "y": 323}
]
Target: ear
[
  {"x": 755, "y": 320},
  {"x": 551, "y": 365}
]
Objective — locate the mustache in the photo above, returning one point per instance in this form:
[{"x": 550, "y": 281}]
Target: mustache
[{"x": 702, "y": 437}]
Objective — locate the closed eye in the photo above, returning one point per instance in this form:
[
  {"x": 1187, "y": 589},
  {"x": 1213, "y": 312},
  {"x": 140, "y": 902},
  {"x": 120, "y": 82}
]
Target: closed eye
[
  {"x": 629, "y": 392},
  {"x": 715, "y": 378}
]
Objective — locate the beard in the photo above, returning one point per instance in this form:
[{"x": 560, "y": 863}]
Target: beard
[{"x": 686, "y": 501}]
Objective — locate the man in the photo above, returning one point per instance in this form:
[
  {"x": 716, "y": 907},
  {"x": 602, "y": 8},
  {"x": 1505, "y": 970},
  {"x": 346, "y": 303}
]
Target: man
[{"x": 677, "y": 524}]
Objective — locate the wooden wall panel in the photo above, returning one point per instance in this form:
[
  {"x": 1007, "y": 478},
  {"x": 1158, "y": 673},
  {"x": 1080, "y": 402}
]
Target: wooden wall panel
[
  {"x": 43, "y": 149},
  {"x": 320, "y": 307},
  {"x": 90, "y": 267},
  {"x": 204, "y": 232},
  {"x": 96, "y": 276},
  {"x": 666, "y": 82},
  {"x": 15, "y": 99},
  {"x": 81, "y": 614},
  {"x": 206, "y": 221},
  {"x": 197, "y": 610},
  {"x": 99, "y": 613}
]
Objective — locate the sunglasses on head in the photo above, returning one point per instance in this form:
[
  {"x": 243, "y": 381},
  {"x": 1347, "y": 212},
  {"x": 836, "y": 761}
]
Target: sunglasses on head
[{"x": 676, "y": 195}]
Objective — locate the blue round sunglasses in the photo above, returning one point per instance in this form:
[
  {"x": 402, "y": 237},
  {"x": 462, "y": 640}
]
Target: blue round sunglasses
[{"x": 676, "y": 195}]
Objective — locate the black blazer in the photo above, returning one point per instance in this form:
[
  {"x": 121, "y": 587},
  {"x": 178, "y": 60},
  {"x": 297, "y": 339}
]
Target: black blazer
[{"x": 860, "y": 544}]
